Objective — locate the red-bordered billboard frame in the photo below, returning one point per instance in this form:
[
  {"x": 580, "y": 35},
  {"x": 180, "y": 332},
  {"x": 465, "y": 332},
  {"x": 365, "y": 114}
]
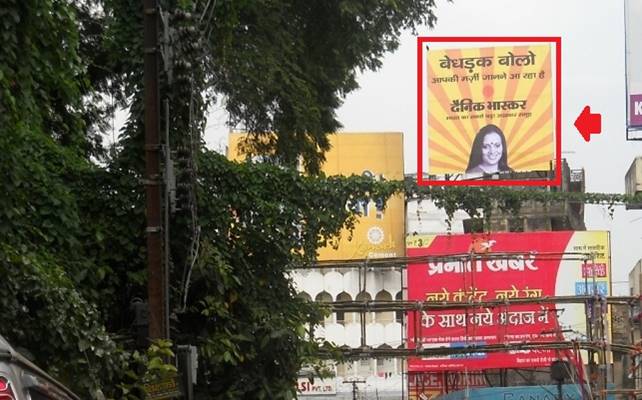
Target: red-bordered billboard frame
[{"x": 557, "y": 180}]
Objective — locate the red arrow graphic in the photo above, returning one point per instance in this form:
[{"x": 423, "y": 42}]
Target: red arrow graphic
[{"x": 588, "y": 124}]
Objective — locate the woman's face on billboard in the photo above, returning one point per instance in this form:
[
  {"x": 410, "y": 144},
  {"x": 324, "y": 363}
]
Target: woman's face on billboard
[{"x": 492, "y": 148}]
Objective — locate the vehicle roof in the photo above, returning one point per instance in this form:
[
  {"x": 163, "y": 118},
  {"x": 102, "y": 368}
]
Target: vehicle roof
[
  {"x": 7, "y": 352},
  {"x": 4, "y": 345}
]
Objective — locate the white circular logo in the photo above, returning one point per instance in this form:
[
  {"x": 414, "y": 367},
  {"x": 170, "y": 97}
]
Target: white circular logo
[{"x": 375, "y": 235}]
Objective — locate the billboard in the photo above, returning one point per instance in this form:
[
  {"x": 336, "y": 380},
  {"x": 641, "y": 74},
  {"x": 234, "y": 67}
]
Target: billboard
[
  {"x": 534, "y": 392},
  {"x": 489, "y": 109},
  {"x": 319, "y": 387},
  {"x": 633, "y": 14},
  {"x": 379, "y": 231},
  {"x": 481, "y": 277},
  {"x": 425, "y": 386}
]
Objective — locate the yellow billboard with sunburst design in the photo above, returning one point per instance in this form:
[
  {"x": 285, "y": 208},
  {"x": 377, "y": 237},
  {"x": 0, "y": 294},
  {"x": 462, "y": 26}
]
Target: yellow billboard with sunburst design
[{"x": 490, "y": 109}]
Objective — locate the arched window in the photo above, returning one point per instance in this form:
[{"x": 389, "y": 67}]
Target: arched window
[
  {"x": 399, "y": 314},
  {"x": 365, "y": 296},
  {"x": 304, "y": 296},
  {"x": 385, "y": 316},
  {"x": 365, "y": 366},
  {"x": 325, "y": 297},
  {"x": 347, "y": 368},
  {"x": 342, "y": 316},
  {"x": 386, "y": 367}
]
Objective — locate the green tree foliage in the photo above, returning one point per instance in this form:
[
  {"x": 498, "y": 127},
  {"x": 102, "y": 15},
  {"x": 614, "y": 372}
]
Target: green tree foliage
[
  {"x": 280, "y": 66},
  {"x": 72, "y": 231},
  {"x": 284, "y": 66},
  {"x": 146, "y": 368},
  {"x": 482, "y": 201},
  {"x": 50, "y": 281},
  {"x": 39, "y": 71},
  {"x": 45, "y": 313},
  {"x": 53, "y": 282},
  {"x": 258, "y": 221},
  {"x": 72, "y": 245}
]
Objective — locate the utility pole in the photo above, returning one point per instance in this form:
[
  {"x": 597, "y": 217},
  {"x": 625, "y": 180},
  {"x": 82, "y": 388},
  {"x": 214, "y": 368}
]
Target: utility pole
[
  {"x": 354, "y": 386},
  {"x": 152, "y": 179}
]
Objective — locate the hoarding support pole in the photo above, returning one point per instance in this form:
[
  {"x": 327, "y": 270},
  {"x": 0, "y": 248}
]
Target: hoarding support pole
[
  {"x": 636, "y": 358},
  {"x": 362, "y": 326}
]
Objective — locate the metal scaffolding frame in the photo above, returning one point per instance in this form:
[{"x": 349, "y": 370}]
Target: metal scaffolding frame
[{"x": 596, "y": 307}]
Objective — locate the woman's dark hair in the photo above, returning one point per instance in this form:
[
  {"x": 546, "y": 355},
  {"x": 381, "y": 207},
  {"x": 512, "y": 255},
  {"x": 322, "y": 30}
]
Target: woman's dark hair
[{"x": 476, "y": 151}]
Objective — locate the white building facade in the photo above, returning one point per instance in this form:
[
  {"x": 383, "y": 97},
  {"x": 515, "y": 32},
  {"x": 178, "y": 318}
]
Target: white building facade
[{"x": 384, "y": 378}]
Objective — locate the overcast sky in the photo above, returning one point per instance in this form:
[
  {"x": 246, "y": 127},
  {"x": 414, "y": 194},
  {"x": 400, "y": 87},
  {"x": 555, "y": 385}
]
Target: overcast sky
[{"x": 593, "y": 74}]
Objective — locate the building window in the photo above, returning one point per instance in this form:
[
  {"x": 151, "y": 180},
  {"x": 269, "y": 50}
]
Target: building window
[
  {"x": 324, "y": 297},
  {"x": 386, "y": 316},
  {"x": 342, "y": 316},
  {"x": 365, "y": 367},
  {"x": 399, "y": 314},
  {"x": 304, "y": 296},
  {"x": 365, "y": 296},
  {"x": 516, "y": 225}
]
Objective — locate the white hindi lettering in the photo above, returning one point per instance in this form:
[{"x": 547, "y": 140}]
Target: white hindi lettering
[
  {"x": 447, "y": 320},
  {"x": 483, "y": 318},
  {"x": 517, "y": 318},
  {"x": 498, "y": 265},
  {"x": 427, "y": 320}
]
